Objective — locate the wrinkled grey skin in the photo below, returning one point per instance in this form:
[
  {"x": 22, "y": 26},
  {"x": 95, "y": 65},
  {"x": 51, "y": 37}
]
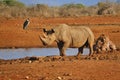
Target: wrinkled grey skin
[{"x": 67, "y": 36}]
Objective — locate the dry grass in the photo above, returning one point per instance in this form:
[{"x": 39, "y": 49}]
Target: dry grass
[{"x": 68, "y": 10}]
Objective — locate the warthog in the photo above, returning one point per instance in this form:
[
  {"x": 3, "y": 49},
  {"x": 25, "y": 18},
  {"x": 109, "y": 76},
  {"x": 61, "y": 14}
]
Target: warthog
[
  {"x": 69, "y": 36},
  {"x": 103, "y": 43},
  {"x": 108, "y": 44}
]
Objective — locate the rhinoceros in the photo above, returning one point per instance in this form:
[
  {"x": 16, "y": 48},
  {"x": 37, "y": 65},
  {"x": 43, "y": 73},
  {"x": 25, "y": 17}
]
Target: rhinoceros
[{"x": 69, "y": 36}]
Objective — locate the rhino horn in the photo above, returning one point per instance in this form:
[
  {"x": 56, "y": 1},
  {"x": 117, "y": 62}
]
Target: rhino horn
[
  {"x": 43, "y": 40},
  {"x": 44, "y": 35}
]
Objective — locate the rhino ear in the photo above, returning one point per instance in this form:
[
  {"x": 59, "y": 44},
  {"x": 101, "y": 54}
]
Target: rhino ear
[
  {"x": 52, "y": 30},
  {"x": 44, "y": 30}
]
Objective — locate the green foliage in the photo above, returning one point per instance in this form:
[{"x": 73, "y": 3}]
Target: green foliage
[
  {"x": 101, "y": 4},
  {"x": 12, "y": 3},
  {"x": 42, "y": 5},
  {"x": 74, "y": 5}
]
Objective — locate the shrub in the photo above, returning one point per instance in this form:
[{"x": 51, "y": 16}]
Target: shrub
[
  {"x": 12, "y": 3},
  {"x": 14, "y": 8},
  {"x": 106, "y": 8}
]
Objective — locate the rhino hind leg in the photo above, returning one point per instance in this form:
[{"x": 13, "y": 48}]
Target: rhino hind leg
[
  {"x": 91, "y": 49},
  {"x": 80, "y": 51}
]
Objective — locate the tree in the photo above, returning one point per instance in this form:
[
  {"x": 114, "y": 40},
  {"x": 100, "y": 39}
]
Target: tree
[{"x": 12, "y": 3}]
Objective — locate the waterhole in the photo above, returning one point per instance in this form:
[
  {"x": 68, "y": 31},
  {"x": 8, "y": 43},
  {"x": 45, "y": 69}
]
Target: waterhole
[{"x": 29, "y": 52}]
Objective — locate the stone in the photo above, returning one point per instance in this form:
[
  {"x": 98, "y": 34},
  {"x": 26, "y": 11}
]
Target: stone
[
  {"x": 59, "y": 78},
  {"x": 26, "y": 77}
]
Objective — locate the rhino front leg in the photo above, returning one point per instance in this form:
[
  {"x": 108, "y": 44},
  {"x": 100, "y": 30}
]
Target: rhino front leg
[
  {"x": 62, "y": 48},
  {"x": 62, "y": 52}
]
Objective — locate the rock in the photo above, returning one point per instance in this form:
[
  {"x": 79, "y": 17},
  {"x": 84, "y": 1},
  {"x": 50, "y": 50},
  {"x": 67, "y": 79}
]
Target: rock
[
  {"x": 67, "y": 74},
  {"x": 101, "y": 58},
  {"x": 96, "y": 58},
  {"x": 30, "y": 61},
  {"x": 52, "y": 65},
  {"x": 26, "y": 77},
  {"x": 33, "y": 58},
  {"x": 59, "y": 78},
  {"x": 44, "y": 78}
]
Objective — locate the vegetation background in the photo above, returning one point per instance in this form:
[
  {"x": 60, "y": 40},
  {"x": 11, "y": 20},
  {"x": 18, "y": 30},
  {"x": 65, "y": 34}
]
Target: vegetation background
[{"x": 14, "y": 8}]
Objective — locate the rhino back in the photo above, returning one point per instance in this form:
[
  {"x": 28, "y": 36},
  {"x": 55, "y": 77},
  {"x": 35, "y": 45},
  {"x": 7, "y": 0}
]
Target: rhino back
[
  {"x": 80, "y": 35},
  {"x": 75, "y": 35},
  {"x": 62, "y": 32}
]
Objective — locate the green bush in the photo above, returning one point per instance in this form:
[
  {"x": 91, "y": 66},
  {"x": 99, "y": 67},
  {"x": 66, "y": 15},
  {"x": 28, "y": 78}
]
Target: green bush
[
  {"x": 73, "y": 6},
  {"x": 12, "y": 3}
]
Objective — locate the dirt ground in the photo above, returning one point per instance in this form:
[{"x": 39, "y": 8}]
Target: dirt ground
[
  {"x": 104, "y": 66},
  {"x": 12, "y": 34},
  {"x": 98, "y": 67}
]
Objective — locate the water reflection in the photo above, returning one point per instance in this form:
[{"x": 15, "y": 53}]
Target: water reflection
[{"x": 22, "y": 52}]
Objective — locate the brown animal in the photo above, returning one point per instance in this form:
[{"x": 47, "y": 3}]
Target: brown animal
[
  {"x": 108, "y": 44},
  {"x": 69, "y": 36},
  {"x": 103, "y": 43},
  {"x": 98, "y": 46}
]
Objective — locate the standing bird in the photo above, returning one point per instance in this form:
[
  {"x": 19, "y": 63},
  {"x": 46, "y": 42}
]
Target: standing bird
[{"x": 26, "y": 23}]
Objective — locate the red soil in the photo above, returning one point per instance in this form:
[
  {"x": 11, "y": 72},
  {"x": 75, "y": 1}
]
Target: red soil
[{"x": 12, "y": 34}]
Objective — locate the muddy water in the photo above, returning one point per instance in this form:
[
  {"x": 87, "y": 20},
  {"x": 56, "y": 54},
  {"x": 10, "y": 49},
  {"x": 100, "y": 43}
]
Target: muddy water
[{"x": 22, "y": 52}]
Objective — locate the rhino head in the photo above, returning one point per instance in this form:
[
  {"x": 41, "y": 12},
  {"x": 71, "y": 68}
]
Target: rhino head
[{"x": 48, "y": 37}]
